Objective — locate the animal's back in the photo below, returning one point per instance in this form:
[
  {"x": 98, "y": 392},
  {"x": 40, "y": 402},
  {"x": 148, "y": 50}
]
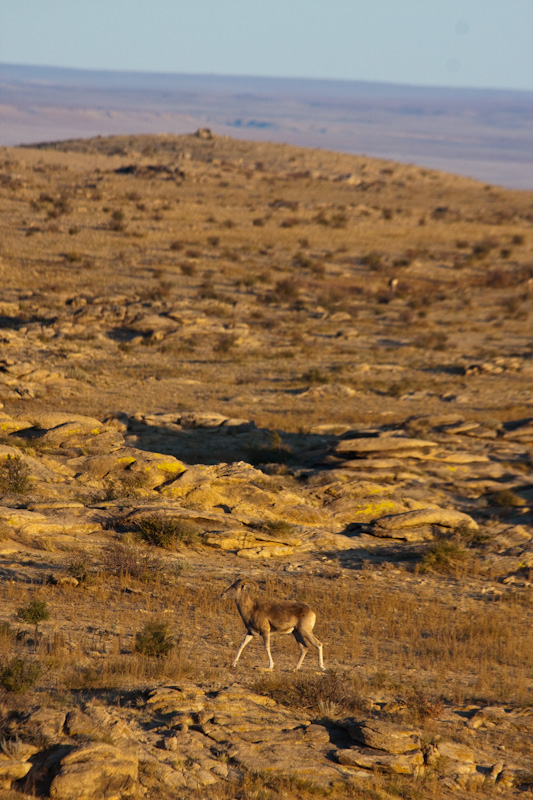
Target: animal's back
[{"x": 285, "y": 616}]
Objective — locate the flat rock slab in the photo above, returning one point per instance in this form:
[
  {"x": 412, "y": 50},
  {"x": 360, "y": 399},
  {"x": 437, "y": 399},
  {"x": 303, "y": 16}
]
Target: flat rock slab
[
  {"x": 382, "y": 735},
  {"x": 366, "y": 758},
  {"x": 446, "y": 518},
  {"x": 382, "y": 444}
]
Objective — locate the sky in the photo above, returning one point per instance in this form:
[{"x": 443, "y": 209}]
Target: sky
[{"x": 457, "y": 43}]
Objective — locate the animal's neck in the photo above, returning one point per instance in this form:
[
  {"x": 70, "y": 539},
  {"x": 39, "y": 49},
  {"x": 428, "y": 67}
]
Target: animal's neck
[{"x": 244, "y": 604}]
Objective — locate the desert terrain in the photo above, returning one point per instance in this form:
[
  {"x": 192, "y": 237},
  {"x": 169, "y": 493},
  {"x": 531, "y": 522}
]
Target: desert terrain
[
  {"x": 225, "y": 359},
  {"x": 486, "y": 134}
]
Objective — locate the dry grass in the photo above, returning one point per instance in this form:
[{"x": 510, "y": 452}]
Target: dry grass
[
  {"x": 175, "y": 246},
  {"x": 276, "y": 309},
  {"x": 400, "y": 638}
]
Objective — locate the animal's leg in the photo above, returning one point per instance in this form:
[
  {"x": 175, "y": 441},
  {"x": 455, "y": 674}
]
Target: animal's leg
[
  {"x": 248, "y": 638},
  {"x": 302, "y": 640},
  {"x": 303, "y": 649},
  {"x": 312, "y": 638},
  {"x": 266, "y": 640}
]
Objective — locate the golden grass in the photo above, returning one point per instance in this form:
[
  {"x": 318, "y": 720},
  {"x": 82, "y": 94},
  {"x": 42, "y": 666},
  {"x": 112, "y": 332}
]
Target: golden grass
[{"x": 398, "y": 637}]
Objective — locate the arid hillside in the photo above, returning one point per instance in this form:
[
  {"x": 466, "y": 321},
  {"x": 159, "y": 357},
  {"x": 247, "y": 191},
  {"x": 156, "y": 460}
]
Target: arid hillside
[{"x": 220, "y": 359}]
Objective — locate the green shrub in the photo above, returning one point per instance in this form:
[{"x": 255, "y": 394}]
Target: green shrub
[
  {"x": 154, "y": 639},
  {"x": 36, "y": 611}
]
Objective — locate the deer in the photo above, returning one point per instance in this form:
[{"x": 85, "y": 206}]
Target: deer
[{"x": 262, "y": 617}]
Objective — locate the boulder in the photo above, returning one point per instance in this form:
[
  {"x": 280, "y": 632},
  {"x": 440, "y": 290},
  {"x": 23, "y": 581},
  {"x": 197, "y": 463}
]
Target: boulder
[
  {"x": 364, "y": 758},
  {"x": 446, "y": 518},
  {"x": 381, "y": 734},
  {"x": 97, "y": 772},
  {"x": 12, "y": 769}
]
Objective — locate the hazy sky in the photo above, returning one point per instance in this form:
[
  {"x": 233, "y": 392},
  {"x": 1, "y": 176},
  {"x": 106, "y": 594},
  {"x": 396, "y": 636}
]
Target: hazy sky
[{"x": 480, "y": 43}]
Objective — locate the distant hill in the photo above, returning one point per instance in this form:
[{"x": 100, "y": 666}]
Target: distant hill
[{"x": 485, "y": 134}]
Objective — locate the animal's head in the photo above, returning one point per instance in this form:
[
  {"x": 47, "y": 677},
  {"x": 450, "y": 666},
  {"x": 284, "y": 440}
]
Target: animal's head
[{"x": 239, "y": 586}]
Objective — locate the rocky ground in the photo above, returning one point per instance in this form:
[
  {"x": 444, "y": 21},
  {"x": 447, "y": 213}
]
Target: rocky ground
[{"x": 224, "y": 359}]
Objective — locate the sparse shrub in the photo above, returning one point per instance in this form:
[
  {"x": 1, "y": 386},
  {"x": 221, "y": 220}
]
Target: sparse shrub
[
  {"x": 188, "y": 269},
  {"x": 432, "y": 340},
  {"x": 399, "y": 388},
  {"x": 117, "y": 222},
  {"x": 258, "y": 222},
  {"x": 441, "y": 212},
  {"x": 373, "y": 261},
  {"x": 78, "y": 569},
  {"x": 518, "y": 239},
  {"x": 131, "y": 484},
  {"x": 286, "y": 291},
  {"x": 206, "y": 291},
  {"x": 505, "y": 498},
  {"x": 314, "y": 375},
  {"x": 279, "y": 528},
  {"x": 72, "y": 257},
  {"x": 445, "y": 555},
  {"x": 7, "y": 635},
  {"x": 154, "y": 639},
  {"x": 14, "y": 475},
  {"x": 331, "y": 694},
  {"x": 225, "y": 343},
  {"x": 177, "y": 245},
  {"x": 277, "y": 452},
  {"x": 133, "y": 561},
  {"x": 482, "y": 249},
  {"x": 301, "y": 260},
  {"x": 167, "y": 532},
  {"x": 500, "y": 278},
  {"x": 318, "y": 268},
  {"x": 19, "y": 674},
  {"x": 289, "y": 222}
]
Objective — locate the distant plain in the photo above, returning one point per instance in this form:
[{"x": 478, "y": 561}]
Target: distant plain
[{"x": 484, "y": 134}]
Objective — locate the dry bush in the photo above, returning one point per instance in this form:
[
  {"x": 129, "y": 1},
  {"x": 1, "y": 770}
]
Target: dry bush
[
  {"x": 330, "y": 695},
  {"x": 285, "y": 291},
  {"x": 121, "y": 559},
  {"x": 19, "y": 674},
  {"x": 226, "y": 342},
  {"x": 167, "y": 532},
  {"x": 14, "y": 475},
  {"x": 275, "y": 452},
  {"x": 445, "y": 556}
]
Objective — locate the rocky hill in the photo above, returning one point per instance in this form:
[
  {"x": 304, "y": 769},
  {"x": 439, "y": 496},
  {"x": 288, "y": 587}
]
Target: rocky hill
[{"x": 226, "y": 359}]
